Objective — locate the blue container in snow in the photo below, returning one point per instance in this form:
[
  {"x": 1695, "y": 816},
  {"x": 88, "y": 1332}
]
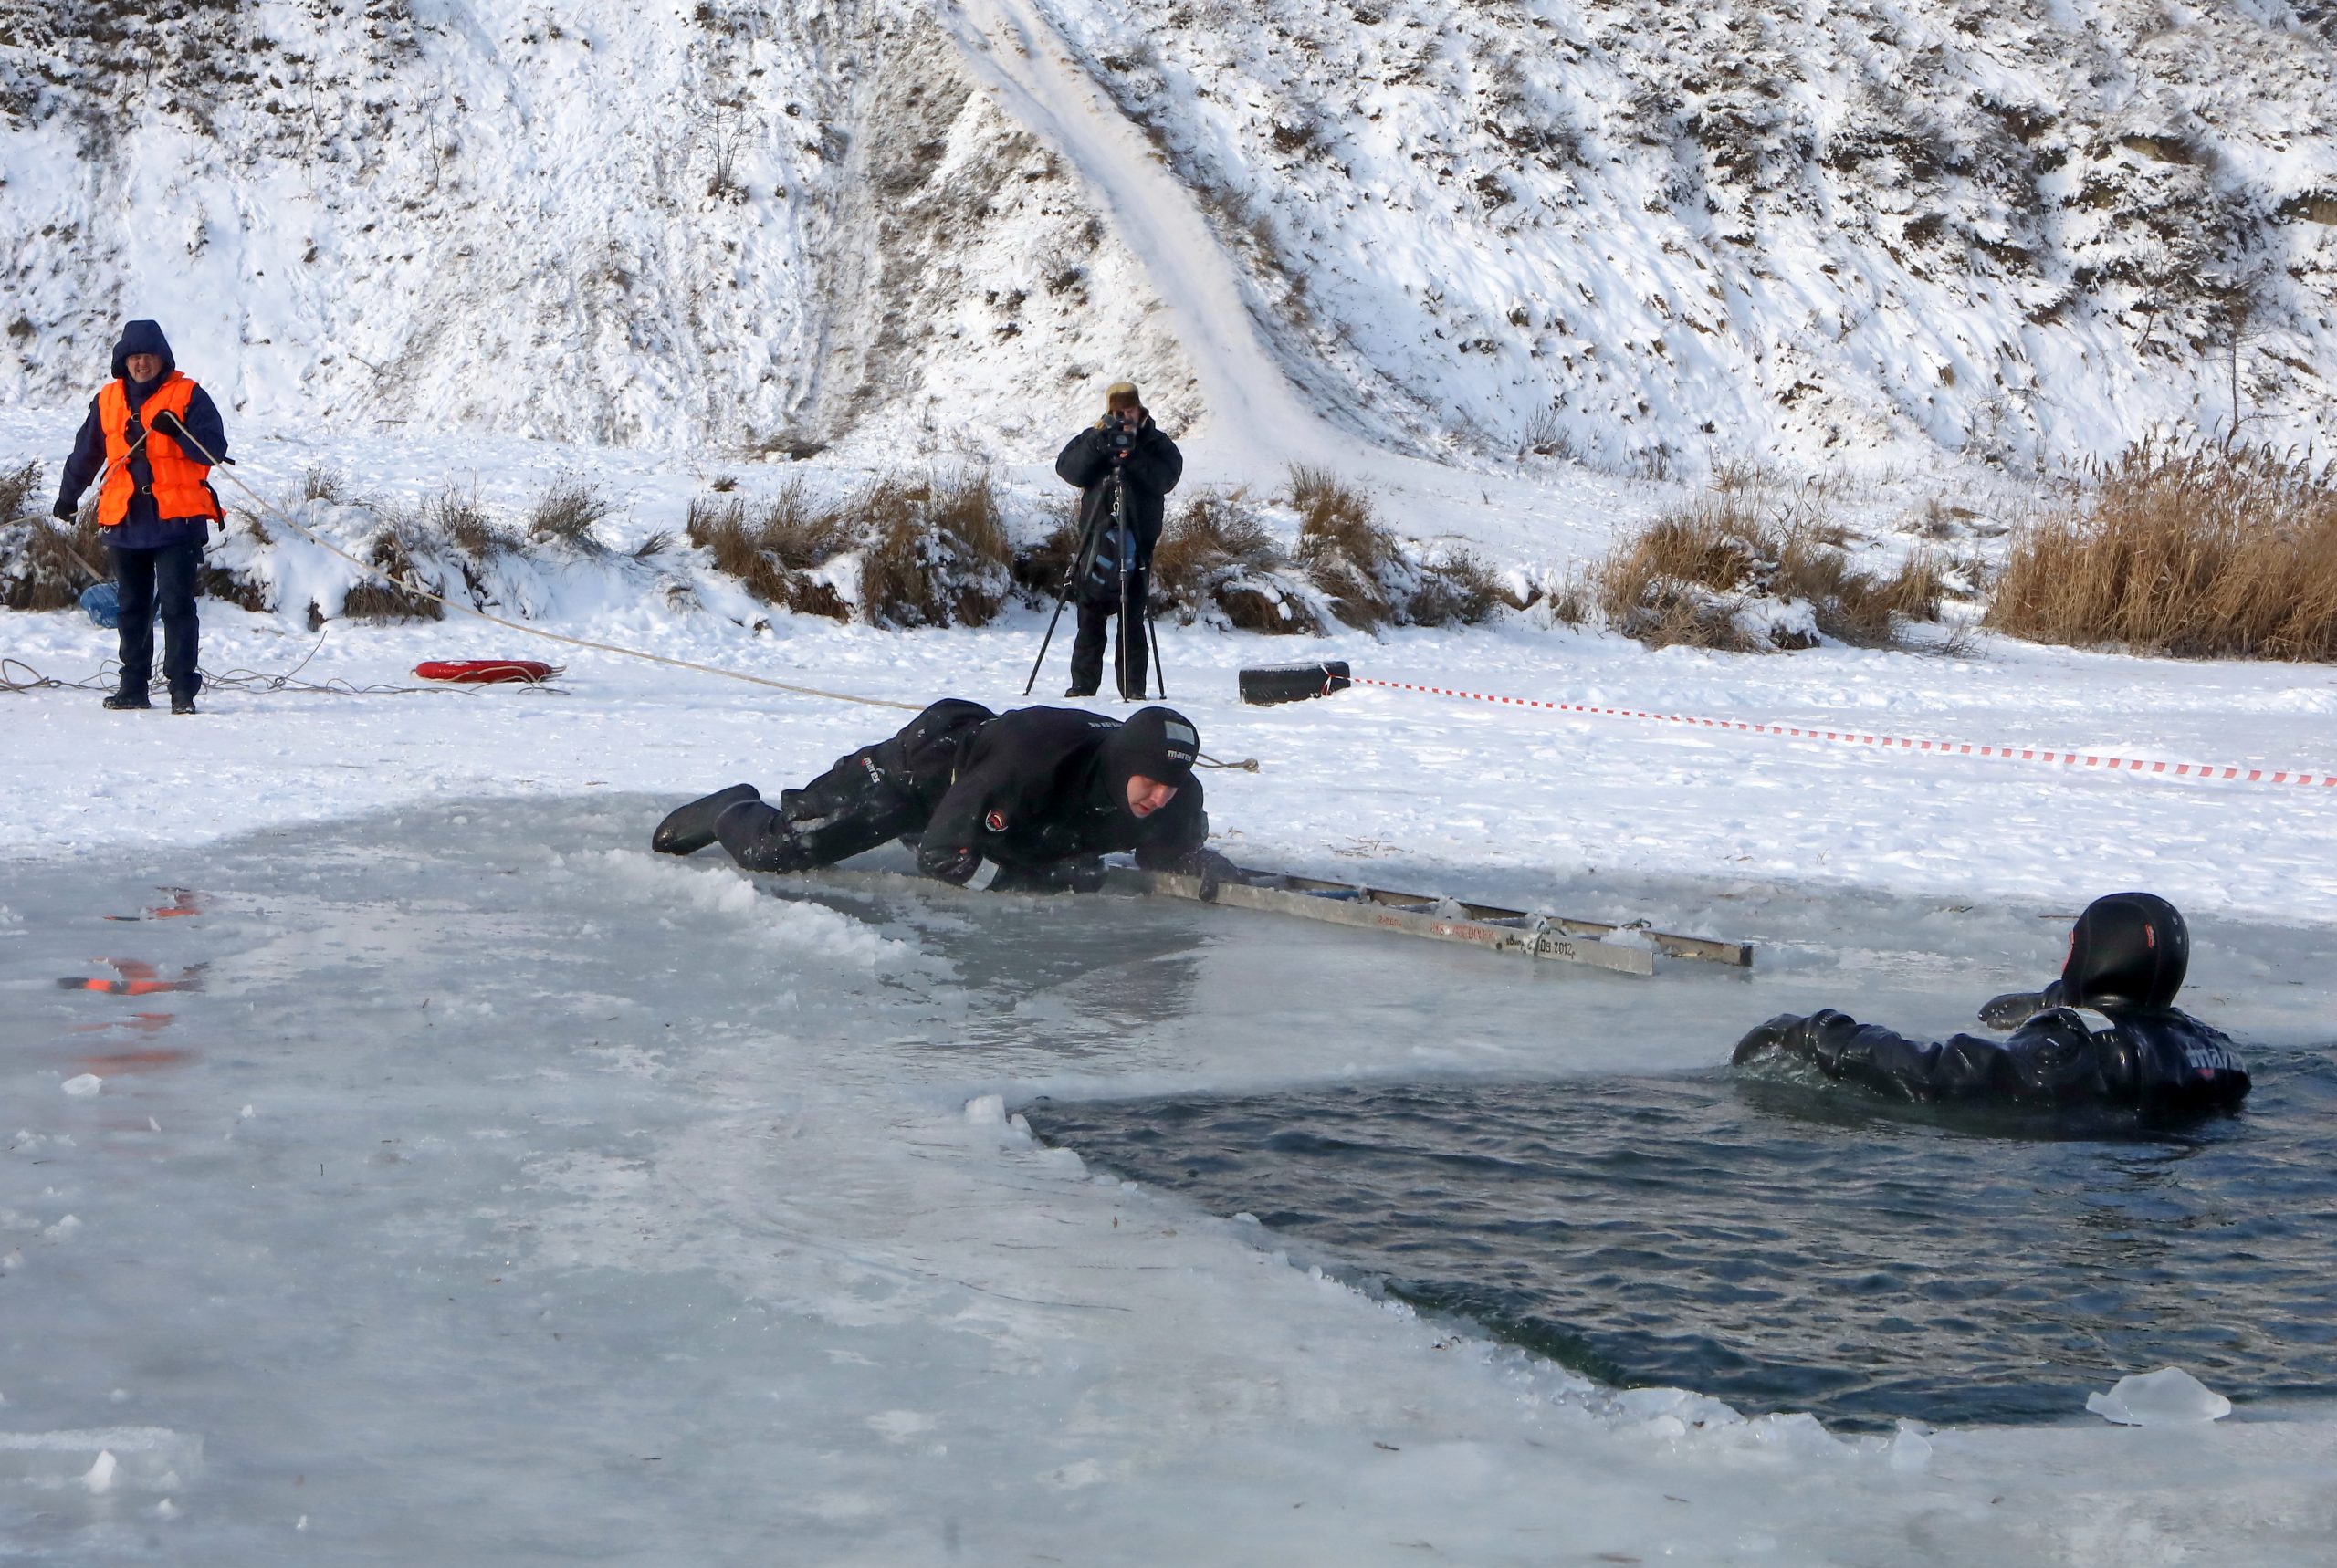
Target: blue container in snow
[{"x": 104, "y": 603}]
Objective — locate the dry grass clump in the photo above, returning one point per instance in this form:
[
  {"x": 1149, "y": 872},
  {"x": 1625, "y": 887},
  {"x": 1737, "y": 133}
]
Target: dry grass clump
[
  {"x": 937, "y": 552},
  {"x": 373, "y": 600},
  {"x": 1722, "y": 574},
  {"x": 567, "y": 511},
  {"x": 1217, "y": 554},
  {"x": 320, "y": 483},
  {"x": 457, "y": 516},
  {"x": 2192, "y": 551},
  {"x": 773, "y": 548},
  {"x": 1042, "y": 569},
  {"x": 44, "y": 565},
  {"x": 1365, "y": 572}
]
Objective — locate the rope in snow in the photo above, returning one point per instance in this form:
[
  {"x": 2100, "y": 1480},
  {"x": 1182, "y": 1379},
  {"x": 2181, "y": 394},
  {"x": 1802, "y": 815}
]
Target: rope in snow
[
  {"x": 16, "y": 675},
  {"x": 420, "y": 592},
  {"x": 1890, "y": 743}
]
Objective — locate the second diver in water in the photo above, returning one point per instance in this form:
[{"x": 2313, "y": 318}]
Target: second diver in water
[
  {"x": 2128, "y": 956},
  {"x": 1024, "y": 801}
]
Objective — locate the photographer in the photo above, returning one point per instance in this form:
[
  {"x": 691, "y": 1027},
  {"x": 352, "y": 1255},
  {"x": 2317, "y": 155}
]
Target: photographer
[{"x": 1124, "y": 457}]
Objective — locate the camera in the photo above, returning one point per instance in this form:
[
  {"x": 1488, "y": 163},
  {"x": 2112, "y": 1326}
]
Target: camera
[{"x": 1120, "y": 432}]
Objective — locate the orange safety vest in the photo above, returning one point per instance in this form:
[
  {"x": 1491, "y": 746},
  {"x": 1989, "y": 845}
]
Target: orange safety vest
[{"x": 179, "y": 487}]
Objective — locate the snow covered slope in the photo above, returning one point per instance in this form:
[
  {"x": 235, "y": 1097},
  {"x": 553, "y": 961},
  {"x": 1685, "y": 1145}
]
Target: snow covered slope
[
  {"x": 1647, "y": 232},
  {"x": 598, "y": 222},
  {"x": 1649, "y": 235}
]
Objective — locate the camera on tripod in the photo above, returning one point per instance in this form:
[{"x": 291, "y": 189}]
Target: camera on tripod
[{"x": 1120, "y": 434}]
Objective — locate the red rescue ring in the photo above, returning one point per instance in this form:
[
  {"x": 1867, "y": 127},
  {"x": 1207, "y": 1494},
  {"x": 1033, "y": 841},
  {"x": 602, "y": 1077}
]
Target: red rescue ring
[{"x": 480, "y": 672}]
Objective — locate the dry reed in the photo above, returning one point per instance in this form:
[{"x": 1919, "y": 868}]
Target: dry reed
[{"x": 2191, "y": 551}]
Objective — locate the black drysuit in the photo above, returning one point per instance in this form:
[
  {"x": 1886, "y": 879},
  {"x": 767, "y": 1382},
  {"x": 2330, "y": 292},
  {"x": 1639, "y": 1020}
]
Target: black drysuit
[
  {"x": 1028, "y": 801},
  {"x": 2128, "y": 956},
  {"x": 1150, "y": 470}
]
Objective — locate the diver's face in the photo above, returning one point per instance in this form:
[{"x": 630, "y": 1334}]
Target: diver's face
[{"x": 1147, "y": 796}]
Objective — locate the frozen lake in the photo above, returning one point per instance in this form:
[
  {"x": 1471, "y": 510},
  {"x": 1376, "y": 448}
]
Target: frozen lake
[{"x": 463, "y": 1182}]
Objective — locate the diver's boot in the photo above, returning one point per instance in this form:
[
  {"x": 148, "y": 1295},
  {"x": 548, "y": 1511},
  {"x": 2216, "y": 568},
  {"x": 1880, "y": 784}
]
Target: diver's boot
[
  {"x": 760, "y": 839},
  {"x": 691, "y": 829}
]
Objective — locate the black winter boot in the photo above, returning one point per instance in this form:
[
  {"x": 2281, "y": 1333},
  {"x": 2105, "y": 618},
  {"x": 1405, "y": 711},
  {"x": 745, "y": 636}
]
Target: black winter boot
[
  {"x": 128, "y": 699},
  {"x": 183, "y": 704},
  {"x": 760, "y": 839},
  {"x": 691, "y": 829}
]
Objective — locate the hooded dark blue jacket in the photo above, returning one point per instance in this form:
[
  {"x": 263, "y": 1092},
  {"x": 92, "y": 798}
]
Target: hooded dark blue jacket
[{"x": 141, "y": 529}]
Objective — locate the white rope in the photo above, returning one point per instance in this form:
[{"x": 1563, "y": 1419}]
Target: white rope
[{"x": 420, "y": 592}]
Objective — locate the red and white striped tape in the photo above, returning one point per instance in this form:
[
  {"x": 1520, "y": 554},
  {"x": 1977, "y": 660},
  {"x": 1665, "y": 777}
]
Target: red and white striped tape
[{"x": 1891, "y": 743}]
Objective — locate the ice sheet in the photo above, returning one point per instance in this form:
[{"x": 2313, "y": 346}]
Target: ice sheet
[{"x": 486, "y": 1187}]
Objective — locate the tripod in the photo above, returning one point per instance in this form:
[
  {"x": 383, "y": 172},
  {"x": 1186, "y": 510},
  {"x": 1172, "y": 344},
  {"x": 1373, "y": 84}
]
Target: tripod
[{"x": 1111, "y": 518}]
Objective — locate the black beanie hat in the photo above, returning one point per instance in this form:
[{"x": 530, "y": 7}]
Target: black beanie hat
[
  {"x": 1157, "y": 742},
  {"x": 2128, "y": 949}
]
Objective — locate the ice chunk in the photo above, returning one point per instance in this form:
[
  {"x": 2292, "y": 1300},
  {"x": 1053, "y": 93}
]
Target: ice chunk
[
  {"x": 143, "y": 1459},
  {"x": 1910, "y": 1450},
  {"x": 987, "y": 1110},
  {"x": 82, "y": 1087},
  {"x": 2167, "y": 1397}
]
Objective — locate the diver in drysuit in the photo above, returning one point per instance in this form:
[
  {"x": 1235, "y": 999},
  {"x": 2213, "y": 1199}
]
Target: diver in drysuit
[
  {"x": 1027, "y": 801},
  {"x": 2128, "y": 956}
]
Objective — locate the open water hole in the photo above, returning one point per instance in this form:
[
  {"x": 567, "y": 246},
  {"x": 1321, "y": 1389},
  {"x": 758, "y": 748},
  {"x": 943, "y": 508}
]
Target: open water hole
[{"x": 1789, "y": 1245}]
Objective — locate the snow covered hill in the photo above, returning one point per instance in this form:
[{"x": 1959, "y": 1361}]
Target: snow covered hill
[
  {"x": 1648, "y": 235},
  {"x": 753, "y": 224}
]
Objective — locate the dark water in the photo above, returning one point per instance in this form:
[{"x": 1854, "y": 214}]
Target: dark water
[{"x": 1791, "y": 1245}]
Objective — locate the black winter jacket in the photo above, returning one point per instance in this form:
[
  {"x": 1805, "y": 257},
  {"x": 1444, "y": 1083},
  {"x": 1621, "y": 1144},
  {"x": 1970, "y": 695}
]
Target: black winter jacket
[
  {"x": 1153, "y": 467},
  {"x": 2157, "y": 1060},
  {"x": 1035, "y": 788}
]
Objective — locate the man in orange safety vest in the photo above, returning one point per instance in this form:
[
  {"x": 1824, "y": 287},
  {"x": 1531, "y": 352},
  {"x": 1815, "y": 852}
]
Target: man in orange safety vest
[{"x": 149, "y": 443}]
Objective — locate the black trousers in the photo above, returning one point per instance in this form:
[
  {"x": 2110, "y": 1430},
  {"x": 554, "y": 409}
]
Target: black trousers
[
  {"x": 143, "y": 577},
  {"x": 1130, "y": 649},
  {"x": 888, "y": 790}
]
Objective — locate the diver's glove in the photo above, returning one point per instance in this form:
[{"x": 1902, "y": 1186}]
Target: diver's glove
[
  {"x": 2017, "y": 1008},
  {"x": 1762, "y": 1039}
]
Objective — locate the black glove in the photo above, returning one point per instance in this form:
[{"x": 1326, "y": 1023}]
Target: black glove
[
  {"x": 63, "y": 511},
  {"x": 1084, "y": 874},
  {"x": 1775, "y": 1035}
]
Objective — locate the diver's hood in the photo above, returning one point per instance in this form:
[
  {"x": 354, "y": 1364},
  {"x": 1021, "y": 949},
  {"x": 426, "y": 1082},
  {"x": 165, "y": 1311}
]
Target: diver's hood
[
  {"x": 2129, "y": 950},
  {"x": 1159, "y": 743}
]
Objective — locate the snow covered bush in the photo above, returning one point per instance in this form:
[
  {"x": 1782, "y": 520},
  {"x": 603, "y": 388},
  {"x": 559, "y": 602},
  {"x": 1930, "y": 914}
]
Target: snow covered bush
[
  {"x": 1725, "y": 573},
  {"x": 936, "y": 550},
  {"x": 774, "y": 549},
  {"x": 2191, "y": 550},
  {"x": 1368, "y": 575},
  {"x": 42, "y": 565},
  {"x": 1218, "y": 562}
]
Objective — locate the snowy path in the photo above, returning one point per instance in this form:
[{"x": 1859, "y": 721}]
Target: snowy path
[{"x": 1256, "y": 421}]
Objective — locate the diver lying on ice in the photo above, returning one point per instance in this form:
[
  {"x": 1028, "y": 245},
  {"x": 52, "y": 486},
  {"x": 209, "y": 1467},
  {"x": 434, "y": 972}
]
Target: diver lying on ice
[
  {"x": 2128, "y": 955},
  {"x": 1026, "y": 801}
]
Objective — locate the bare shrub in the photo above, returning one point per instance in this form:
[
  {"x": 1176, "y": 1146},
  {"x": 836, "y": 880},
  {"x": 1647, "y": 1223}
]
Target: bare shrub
[
  {"x": 937, "y": 552},
  {"x": 1458, "y": 589},
  {"x": 1217, "y": 554},
  {"x": 772, "y": 549},
  {"x": 374, "y": 599},
  {"x": 1042, "y": 567},
  {"x": 19, "y": 491},
  {"x": 1343, "y": 547},
  {"x": 567, "y": 511},
  {"x": 44, "y": 565},
  {"x": 1368, "y": 576},
  {"x": 457, "y": 516},
  {"x": 1721, "y": 574},
  {"x": 322, "y": 483},
  {"x": 2191, "y": 551}
]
